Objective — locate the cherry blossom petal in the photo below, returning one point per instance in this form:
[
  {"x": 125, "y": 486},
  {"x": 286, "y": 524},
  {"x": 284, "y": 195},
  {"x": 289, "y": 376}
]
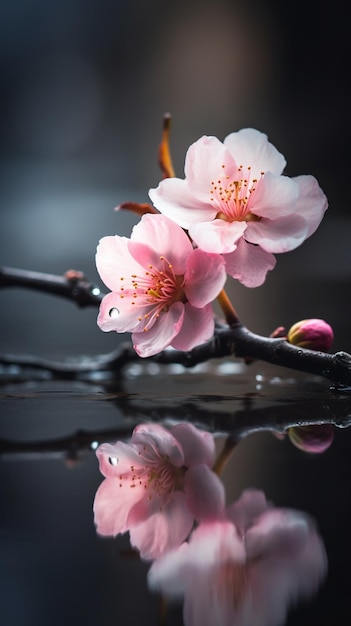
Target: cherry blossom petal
[
  {"x": 170, "y": 573},
  {"x": 116, "y": 459},
  {"x": 205, "y": 493},
  {"x": 274, "y": 197},
  {"x": 251, "y": 147},
  {"x": 280, "y": 582},
  {"x": 198, "y": 446},
  {"x": 280, "y": 235},
  {"x": 112, "y": 504},
  {"x": 249, "y": 264},
  {"x": 205, "y": 161},
  {"x": 250, "y": 505},
  {"x": 280, "y": 531},
  {"x": 205, "y": 277},
  {"x": 162, "y": 333},
  {"x": 176, "y": 200},
  {"x": 116, "y": 313},
  {"x": 145, "y": 508},
  {"x": 218, "y": 236},
  {"x": 312, "y": 202},
  {"x": 113, "y": 260},
  {"x": 163, "y": 530},
  {"x": 162, "y": 441},
  {"x": 197, "y": 327},
  {"x": 165, "y": 239}
]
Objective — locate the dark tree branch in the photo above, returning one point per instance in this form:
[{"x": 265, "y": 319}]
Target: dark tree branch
[
  {"x": 236, "y": 340},
  {"x": 73, "y": 285}
]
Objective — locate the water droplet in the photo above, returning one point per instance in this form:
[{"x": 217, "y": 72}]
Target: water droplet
[
  {"x": 113, "y": 460},
  {"x": 95, "y": 291},
  {"x": 113, "y": 312}
]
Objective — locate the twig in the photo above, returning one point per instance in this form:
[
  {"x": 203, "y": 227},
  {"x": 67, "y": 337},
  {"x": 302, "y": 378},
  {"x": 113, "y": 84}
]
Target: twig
[
  {"x": 73, "y": 285},
  {"x": 235, "y": 340}
]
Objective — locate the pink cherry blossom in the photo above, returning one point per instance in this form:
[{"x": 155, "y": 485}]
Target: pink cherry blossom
[
  {"x": 247, "y": 569},
  {"x": 161, "y": 288},
  {"x": 156, "y": 486},
  {"x": 235, "y": 201}
]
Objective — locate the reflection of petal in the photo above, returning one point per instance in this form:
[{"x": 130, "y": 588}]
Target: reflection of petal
[
  {"x": 250, "y": 505},
  {"x": 246, "y": 578},
  {"x": 205, "y": 493},
  {"x": 112, "y": 505},
  {"x": 159, "y": 442},
  {"x": 198, "y": 445},
  {"x": 164, "y": 530}
]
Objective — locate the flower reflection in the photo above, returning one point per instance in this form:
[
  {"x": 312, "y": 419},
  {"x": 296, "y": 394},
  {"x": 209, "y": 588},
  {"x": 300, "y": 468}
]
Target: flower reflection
[
  {"x": 245, "y": 569},
  {"x": 156, "y": 485}
]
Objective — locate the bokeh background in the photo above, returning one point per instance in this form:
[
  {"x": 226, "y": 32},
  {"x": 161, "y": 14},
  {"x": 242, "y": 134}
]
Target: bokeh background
[
  {"x": 85, "y": 84},
  {"x": 84, "y": 87}
]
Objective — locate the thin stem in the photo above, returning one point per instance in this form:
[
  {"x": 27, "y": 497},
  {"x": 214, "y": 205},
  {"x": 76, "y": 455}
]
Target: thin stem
[
  {"x": 224, "y": 455},
  {"x": 228, "y": 309},
  {"x": 162, "y": 611},
  {"x": 164, "y": 154}
]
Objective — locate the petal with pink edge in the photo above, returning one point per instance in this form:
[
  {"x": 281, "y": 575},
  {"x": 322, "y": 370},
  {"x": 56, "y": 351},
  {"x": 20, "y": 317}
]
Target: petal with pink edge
[
  {"x": 250, "y": 147},
  {"x": 198, "y": 445},
  {"x": 205, "y": 277},
  {"x": 278, "y": 531},
  {"x": 112, "y": 504},
  {"x": 205, "y": 493},
  {"x": 197, "y": 327},
  {"x": 279, "y": 235},
  {"x": 164, "y": 530},
  {"x": 164, "y": 238},
  {"x": 206, "y": 161},
  {"x": 175, "y": 199},
  {"x": 280, "y": 580},
  {"x": 162, "y": 333},
  {"x": 218, "y": 236},
  {"x": 113, "y": 261},
  {"x": 274, "y": 197},
  {"x": 162, "y": 441},
  {"x": 250, "y": 505},
  {"x": 312, "y": 203},
  {"x": 116, "y": 313},
  {"x": 170, "y": 574},
  {"x": 249, "y": 264},
  {"x": 119, "y": 458}
]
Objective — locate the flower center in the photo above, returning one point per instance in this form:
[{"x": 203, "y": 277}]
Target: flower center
[
  {"x": 155, "y": 474},
  {"x": 234, "y": 196},
  {"x": 155, "y": 291}
]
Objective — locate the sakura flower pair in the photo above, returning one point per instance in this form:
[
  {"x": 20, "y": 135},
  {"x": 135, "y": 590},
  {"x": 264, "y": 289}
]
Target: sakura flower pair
[{"x": 238, "y": 210}]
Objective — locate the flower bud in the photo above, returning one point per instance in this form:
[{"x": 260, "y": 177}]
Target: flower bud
[
  {"x": 314, "y": 334},
  {"x": 315, "y": 439}
]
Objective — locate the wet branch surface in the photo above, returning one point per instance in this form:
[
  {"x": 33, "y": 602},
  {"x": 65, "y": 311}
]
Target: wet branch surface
[{"x": 228, "y": 341}]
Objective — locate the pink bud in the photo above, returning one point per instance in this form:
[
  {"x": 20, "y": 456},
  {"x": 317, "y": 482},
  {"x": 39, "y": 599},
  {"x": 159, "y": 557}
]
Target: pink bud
[
  {"x": 314, "y": 334},
  {"x": 316, "y": 438}
]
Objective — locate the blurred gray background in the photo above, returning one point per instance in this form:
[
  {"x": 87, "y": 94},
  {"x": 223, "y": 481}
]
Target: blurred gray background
[
  {"x": 84, "y": 87},
  {"x": 85, "y": 84}
]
